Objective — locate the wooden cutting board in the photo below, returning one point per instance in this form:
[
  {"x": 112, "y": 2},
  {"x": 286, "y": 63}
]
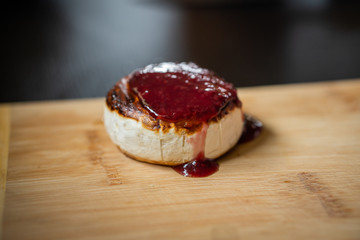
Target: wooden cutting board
[{"x": 299, "y": 180}]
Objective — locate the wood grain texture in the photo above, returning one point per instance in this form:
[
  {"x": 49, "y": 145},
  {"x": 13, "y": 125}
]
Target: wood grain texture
[
  {"x": 299, "y": 180},
  {"x": 4, "y": 147}
]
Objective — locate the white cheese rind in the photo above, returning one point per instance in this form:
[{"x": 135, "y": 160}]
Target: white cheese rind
[{"x": 172, "y": 147}]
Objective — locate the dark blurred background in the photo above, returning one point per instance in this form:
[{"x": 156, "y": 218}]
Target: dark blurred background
[{"x": 56, "y": 49}]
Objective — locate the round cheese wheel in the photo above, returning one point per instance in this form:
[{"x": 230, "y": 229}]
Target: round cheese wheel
[{"x": 172, "y": 113}]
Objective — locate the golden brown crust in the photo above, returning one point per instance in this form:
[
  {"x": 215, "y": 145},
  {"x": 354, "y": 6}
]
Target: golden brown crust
[{"x": 127, "y": 104}]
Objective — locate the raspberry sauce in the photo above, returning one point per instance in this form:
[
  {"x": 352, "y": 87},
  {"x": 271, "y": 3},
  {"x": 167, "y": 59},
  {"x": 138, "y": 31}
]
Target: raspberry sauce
[
  {"x": 200, "y": 167},
  {"x": 203, "y": 167},
  {"x": 181, "y": 92},
  {"x": 252, "y": 129}
]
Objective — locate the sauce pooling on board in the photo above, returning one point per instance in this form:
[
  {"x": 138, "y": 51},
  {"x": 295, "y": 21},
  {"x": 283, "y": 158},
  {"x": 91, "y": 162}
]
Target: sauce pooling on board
[
  {"x": 199, "y": 167},
  {"x": 203, "y": 167},
  {"x": 252, "y": 129}
]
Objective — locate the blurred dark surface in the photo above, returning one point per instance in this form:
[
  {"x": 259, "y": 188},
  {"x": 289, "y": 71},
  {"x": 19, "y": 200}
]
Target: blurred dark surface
[{"x": 76, "y": 48}]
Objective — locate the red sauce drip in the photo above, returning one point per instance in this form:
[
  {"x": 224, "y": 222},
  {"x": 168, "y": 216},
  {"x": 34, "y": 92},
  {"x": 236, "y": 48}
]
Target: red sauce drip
[
  {"x": 176, "y": 92},
  {"x": 183, "y": 91},
  {"x": 200, "y": 167},
  {"x": 203, "y": 167}
]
